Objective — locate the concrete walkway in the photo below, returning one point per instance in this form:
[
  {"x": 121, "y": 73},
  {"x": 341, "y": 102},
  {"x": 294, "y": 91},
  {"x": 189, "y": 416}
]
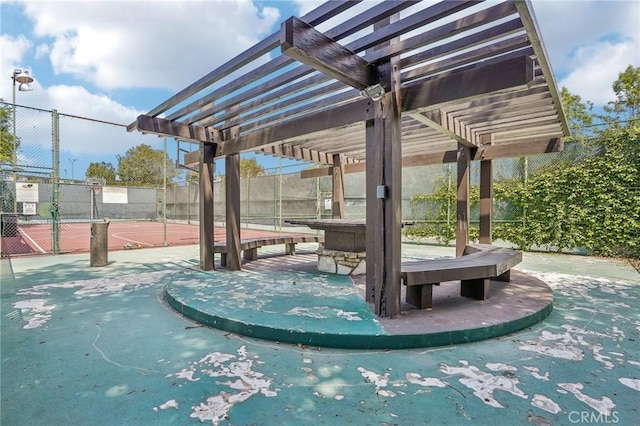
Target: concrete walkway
[{"x": 100, "y": 346}]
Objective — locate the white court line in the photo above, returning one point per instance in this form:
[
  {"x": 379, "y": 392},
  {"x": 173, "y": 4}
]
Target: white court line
[
  {"x": 24, "y": 234},
  {"x": 132, "y": 241}
]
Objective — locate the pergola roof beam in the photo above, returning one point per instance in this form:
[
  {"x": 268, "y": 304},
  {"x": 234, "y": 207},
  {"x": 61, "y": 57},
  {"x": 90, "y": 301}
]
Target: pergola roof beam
[
  {"x": 340, "y": 31},
  {"x": 307, "y": 45},
  {"x": 162, "y": 127},
  {"x": 531, "y": 25},
  {"x": 322, "y": 13}
]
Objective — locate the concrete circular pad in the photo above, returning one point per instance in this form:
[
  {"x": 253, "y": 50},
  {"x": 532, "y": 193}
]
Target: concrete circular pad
[{"x": 285, "y": 299}]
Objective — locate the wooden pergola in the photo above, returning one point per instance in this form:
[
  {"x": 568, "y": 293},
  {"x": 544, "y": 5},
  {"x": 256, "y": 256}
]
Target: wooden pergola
[{"x": 379, "y": 87}]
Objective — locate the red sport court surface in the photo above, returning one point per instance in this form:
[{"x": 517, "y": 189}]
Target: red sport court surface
[{"x": 76, "y": 237}]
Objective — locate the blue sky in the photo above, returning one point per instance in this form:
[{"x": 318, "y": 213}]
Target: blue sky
[{"x": 113, "y": 60}]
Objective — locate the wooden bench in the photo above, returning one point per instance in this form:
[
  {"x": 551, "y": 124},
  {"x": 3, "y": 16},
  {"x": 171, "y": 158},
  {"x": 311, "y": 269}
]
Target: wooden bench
[
  {"x": 249, "y": 247},
  {"x": 479, "y": 265}
]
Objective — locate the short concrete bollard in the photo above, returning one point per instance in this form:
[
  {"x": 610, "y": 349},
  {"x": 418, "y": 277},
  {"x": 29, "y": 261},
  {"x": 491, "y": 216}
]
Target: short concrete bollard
[{"x": 99, "y": 243}]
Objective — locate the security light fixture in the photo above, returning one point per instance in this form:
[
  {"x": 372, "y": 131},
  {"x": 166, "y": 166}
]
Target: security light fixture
[{"x": 22, "y": 77}]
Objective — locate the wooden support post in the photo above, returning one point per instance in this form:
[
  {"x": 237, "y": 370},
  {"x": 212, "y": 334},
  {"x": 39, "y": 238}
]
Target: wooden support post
[
  {"x": 374, "y": 205},
  {"x": 232, "y": 197},
  {"x": 384, "y": 198},
  {"x": 462, "y": 222},
  {"x": 486, "y": 201},
  {"x": 207, "y": 152},
  {"x": 337, "y": 207}
]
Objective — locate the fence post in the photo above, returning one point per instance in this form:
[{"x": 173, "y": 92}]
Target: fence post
[
  {"x": 55, "y": 183},
  {"x": 164, "y": 193}
]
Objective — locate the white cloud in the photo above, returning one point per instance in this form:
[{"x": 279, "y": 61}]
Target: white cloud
[
  {"x": 13, "y": 51},
  {"x": 589, "y": 42},
  {"x": 596, "y": 68},
  {"x": 77, "y": 135},
  {"x": 168, "y": 44}
]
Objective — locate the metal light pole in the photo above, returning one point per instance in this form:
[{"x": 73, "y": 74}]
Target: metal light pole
[
  {"x": 22, "y": 77},
  {"x": 72, "y": 160}
]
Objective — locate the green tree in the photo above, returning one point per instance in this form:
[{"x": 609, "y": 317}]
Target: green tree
[
  {"x": 578, "y": 115},
  {"x": 144, "y": 166},
  {"x": 249, "y": 168},
  {"x": 6, "y": 133},
  {"x": 627, "y": 105},
  {"x": 102, "y": 170}
]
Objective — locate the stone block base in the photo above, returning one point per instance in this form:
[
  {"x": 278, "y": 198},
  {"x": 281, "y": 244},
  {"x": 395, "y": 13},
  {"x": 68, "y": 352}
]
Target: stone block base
[{"x": 341, "y": 262}]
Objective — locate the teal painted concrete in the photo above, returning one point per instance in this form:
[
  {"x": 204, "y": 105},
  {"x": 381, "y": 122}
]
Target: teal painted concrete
[
  {"x": 97, "y": 346},
  {"x": 310, "y": 308}
]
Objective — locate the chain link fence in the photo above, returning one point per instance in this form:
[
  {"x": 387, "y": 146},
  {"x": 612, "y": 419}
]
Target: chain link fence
[{"x": 43, "y": 202}]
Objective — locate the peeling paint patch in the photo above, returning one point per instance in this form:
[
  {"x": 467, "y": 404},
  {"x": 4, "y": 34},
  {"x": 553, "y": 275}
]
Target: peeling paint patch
[
  {"x": 88, "y": 288},
  {"x": 38, "y": 312},
  {"x": 603, "y": 405},
  {"x": 545, "y": 403},
  {"x": 417, "y": 379},
  {"x": 187, "y": 374},
  {"x": 244, "y": 382},
  {"x": 318, "y": 312},
  {"x": 484, "y": 384},
  {"x": 569, "y": 345},
  {"x": 632, "y": 383},
  {"x": 379, "y": 380},
  {"x": 535, "y": 372},
  {"x": 350, "y": 316},
  {"x": 172, "y": 403},
  {"x": 99, "y": 286},
  {"x": 497, "y": 366}
]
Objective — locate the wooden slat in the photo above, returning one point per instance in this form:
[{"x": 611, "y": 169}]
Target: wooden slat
[
  {"x": 335, "y": 117},
  {"x": 483, "y": 80},
  {"x": 434, "y": 120},
  {"x": 322, "y": 13},
  {"x": 305, "y": 44},
  {"x": 251, "y": 243}
]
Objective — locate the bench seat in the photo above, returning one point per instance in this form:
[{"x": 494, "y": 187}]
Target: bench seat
[
  {"x": 479, "y": 265},
  {"x": 249, "y": 247}
]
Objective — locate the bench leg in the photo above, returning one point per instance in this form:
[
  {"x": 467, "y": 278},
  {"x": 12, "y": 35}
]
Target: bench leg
[
  {"x": 420, "y": 296},
  {"x": 506, "y": 277},
  {"x": 250, "y": 254},
  {"x": 475, "y": 289},
  {"x": 290, "y": 248},
  {"x": 223, "y": 260}
]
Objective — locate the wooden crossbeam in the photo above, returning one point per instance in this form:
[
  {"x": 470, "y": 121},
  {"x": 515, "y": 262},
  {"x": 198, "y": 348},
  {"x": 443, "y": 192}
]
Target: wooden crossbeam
[
  {"x": 489, "y": 152},
  {"x": 161, "y": 127},
  {"x": 302, "y": 42},
  {"x": 339, "y": 116}
]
